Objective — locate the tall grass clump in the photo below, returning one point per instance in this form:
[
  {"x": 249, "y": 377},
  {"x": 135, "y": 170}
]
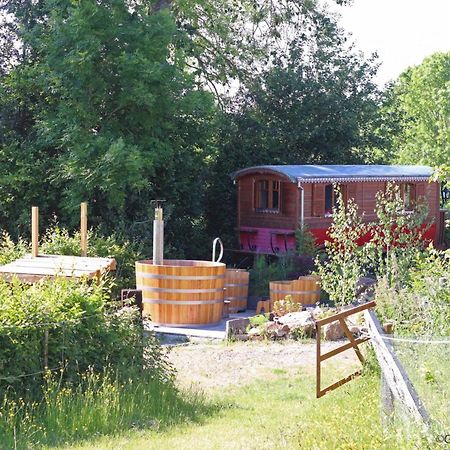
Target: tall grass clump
[
  {"x": 99, "y": 404},
  {"x": 74, "y": 364}
]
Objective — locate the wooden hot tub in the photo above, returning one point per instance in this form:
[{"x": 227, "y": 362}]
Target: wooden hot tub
[
  {"x": 305, "y": 290},
  {"x": 181, "y": 292}
]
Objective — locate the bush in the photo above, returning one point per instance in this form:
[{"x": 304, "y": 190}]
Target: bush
[
  {"x": 264, "y": 271},
  {"x": 305, "y": 242},
  {"x": 397, "y": 236},
  {"x": 422, "y": 305},
  {"x": 10, "y": 250},
  {"x": 84, "y": 332},
  {"x": 286, "y": 306},
  {"x": 343, "y": 264}
]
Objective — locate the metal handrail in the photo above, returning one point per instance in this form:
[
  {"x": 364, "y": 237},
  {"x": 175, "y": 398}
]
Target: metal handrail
[{"x": 217, "y": 240}]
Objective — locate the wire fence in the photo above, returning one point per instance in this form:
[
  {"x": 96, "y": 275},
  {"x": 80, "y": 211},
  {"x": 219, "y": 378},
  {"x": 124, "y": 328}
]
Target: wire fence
[
  {"x": 45, "y": 326},
  {"x": 427, "y": 363},
  {"x": 415, "y": 386},
  {"x": 76, "y": 320}
]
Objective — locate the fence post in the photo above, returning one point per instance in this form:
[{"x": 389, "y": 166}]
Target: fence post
[
  {"x": 83, "y": 228},
  {"x": 46, "y": 349},
  {"x": 387, "y": 403}
]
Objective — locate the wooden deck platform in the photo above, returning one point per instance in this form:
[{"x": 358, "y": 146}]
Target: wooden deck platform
[{"x": 31, "y": 269}]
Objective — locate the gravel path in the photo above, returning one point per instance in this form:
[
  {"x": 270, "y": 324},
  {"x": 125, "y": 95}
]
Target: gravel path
[{"x": 212, "y": 366}]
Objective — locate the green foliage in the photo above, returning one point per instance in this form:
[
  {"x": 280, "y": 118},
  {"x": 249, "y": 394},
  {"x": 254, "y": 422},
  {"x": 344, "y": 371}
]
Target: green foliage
[
  {"x": 10, "y": 250},
  {"x": 305, "y": 242},
  {"x": 417, "y": 111},
  {"x": 286, "y": 306},
  {"x": 343, "y": 264},
  {"x": 101, "y": 404},
  {"x": 397, "y": 236},
  {"x": 58, "y": 241},
  {"x": 112, "y": 118},
  {"x": 234, "y": 39},
  {"x": 395, "y": 243},
  {"x": 421, "y": 306},
  {"x": 264, "y": 271},
  {"x": 258, "y": 320},
  {"x": 84, "y": 331}
]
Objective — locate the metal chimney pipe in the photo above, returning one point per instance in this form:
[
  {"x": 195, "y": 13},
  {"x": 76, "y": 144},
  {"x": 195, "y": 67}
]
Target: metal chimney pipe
[{"x": 158, "y": 234}]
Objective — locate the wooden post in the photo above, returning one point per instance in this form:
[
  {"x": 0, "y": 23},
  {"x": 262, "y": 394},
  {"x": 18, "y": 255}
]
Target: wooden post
[
  {"x": 394, "y": 376},
  {"x": 387, "y": 403},
  {"x": 158, "y": 237},
  {"x": 46, "y": 349},
  {"x": 34, "y": 231},
  {"x": 318, "y": 361},
  {"x": 83, "y": 230}
]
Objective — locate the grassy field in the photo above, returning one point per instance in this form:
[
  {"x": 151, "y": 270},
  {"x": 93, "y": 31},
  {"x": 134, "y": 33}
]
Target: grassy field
[
  {"x": 428, "y": 367},
  {"x": 280, "y": 413},
  {"x": 256, "y": 396}
]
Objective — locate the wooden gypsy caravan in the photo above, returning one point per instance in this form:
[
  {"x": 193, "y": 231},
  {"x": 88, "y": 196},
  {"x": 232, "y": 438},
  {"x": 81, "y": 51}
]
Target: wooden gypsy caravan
[{"x": 273, "y": 201}]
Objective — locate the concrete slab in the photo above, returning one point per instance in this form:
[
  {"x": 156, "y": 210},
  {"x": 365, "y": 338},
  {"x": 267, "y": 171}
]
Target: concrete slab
[{"x": 216, "y": 331}]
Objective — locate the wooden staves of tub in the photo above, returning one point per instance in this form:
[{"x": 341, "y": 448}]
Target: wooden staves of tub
[
  {"x": 305, "y": 290},
  {"x": 181, "y": 292},
  {"x": 236, "y": 289}
]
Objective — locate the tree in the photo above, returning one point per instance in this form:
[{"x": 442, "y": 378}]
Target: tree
[
  {"x": 112, "y": 117},
  {"x": 313, "y": 106},
  {"x": 344, "y": 263},
  {"x": 229, "y": 40},
  {"x": 417, "y": 113}
]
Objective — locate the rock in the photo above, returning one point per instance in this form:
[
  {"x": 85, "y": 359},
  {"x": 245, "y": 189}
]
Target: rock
[
  {"x": 355, "y": 330},
  {"x": 302, "y": 321},
  {"x": 275, "y": 330},
  {"x": 241, "y": 337},
  {"x": 253, "y": 332},
  {"x": 333, "y": 331},
  {"x": 365, "y": 288},
  {"x": 236, "y": 327}
]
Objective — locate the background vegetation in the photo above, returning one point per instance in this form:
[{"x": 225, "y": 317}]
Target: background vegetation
[{"x": 122, "y": 102}]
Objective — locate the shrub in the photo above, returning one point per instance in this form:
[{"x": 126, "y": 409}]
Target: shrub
[
  {"x": 258, "y": 320},
  {"x": 396, "y": 237},
  {"x": 83, "y": 332},
  {"x": 422, "y": 305},
  {"x": 305, "y": 242},
  {"x": 10, "y": 250},
  {"x": 286, "y": 306},
  {"x": 343, "y": 263},
  {"x": 264, "y": 271}
]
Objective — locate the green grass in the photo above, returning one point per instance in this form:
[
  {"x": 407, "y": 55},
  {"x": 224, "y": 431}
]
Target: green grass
[
  {"x": 281, "y": 413},
  {"x": 279, "y": 410},
  {"x": 428, "y": 367},
  {"x": 101, "y": 405}
]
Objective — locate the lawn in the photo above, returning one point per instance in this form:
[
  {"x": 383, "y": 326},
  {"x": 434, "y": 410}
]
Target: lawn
[{"x": 278, "y": 409}]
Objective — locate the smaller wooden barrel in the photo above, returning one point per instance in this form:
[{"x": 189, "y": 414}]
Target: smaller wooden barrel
[
  {"x": 181, "y": 292},
  {"x": 236, "y": 289},
  {"x": 305, "y": 290}
]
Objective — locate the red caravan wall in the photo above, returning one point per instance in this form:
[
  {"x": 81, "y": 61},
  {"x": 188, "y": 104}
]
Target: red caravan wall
[
  {"x": 321, "y": 235},
  {"x": 264, "y": 226}
]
